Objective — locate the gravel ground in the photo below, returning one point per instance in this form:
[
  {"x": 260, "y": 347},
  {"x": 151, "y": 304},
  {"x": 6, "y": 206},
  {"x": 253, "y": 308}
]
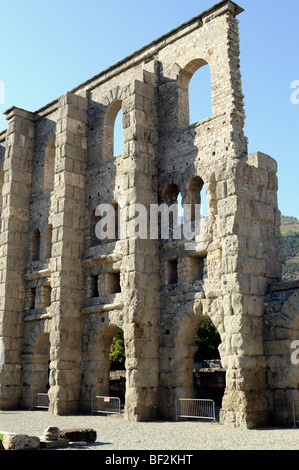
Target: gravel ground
[{"x": 113, "y": 433}]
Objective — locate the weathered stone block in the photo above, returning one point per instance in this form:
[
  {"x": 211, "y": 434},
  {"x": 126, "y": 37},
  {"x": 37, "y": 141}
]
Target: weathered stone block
[
  {"x": 51, "y": 433},
  {"x": 55, "y": 444},
  {"x": 79, "y": 434},
  {"x": 20, "y": 442}
]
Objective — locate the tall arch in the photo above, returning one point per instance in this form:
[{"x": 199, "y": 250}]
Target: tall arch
[
  {"x": 182, "y": 354},
  {"x": 109, "y": 134},
  {"x": 36, "y": 367},
  {"x": 193, "y": 194},
  {"x": 200, "y": 96},
  {"x": 170, "y": 222},
  {"x": 101, "y": 374}
]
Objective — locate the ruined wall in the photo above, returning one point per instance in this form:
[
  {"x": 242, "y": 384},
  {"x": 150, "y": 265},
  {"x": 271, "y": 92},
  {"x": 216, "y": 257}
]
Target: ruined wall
[
  {"x": 65, "y": 293},
  {"x": 281, "y": 329}
]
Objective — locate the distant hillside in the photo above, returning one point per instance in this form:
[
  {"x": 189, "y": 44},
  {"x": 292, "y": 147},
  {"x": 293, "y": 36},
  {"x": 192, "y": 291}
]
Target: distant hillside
[
  {"x": 290, "y": 240},
  {"x": 289, "y": 225}
]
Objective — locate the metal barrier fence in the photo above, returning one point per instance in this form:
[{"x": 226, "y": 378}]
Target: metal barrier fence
[
  {"x": 41, "y": 400},
  {"x": 194, "y": 408},
  {"x": 107, "y": 405},
  {"x": 296, "y": 412}
]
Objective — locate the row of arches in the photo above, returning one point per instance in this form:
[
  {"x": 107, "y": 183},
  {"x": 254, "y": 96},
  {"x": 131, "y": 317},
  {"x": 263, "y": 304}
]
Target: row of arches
[
  {"x": 109, "y": 377},
  {"x": 194, "y": 104},
  {"x": 192, "y": 196}
]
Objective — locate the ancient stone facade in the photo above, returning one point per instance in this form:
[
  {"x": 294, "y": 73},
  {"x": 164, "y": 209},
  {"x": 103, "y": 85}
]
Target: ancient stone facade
[{"x": 64, "y": 293}]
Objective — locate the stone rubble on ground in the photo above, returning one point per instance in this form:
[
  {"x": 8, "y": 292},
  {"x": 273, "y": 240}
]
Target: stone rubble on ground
[
  {"x": 20, "y": 442},
  {"x": 53, "y": 438}
]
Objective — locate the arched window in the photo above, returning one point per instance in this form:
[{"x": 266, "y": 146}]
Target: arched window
[
  {"x": 171, "y": 219},
  {"x": 196, "y": 198},
  {"x": 49, "y": 169},
  {"x": 194, "y": 93},
  {"x": 116, "y": 220},
  {"x": 48, "y": 242},
  {"x": 170, "y": 194},
  {"x": 112, "y": 141},
  {"x": 117, "y": 136},
  {"x": 200, "y": 103},
  {"x": 35, "y": 245}
]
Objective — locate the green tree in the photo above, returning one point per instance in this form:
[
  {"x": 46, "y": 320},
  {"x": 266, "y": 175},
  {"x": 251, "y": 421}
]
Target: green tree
[
  {"x": 117, "y": 351},
  {"x": 207, "y": 340}
]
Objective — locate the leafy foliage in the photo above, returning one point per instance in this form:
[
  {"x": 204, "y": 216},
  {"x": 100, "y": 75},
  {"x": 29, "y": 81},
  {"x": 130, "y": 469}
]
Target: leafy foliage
[
  {"x": 117, "y": 353},
  {"x": 290, "y": 272},
  {"x": 207, "y": 339},
  {"x": 291, "y": 245}
]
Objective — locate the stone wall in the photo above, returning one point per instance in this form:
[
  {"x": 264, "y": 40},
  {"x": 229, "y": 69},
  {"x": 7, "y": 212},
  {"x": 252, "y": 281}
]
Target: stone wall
[
  {"x": 65, "y": 293},
  {"x": 281, "y": 329}
]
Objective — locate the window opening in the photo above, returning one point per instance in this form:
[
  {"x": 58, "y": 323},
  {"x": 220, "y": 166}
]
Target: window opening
[
  {"x": 116, "y": 220},
  {"x": 200, "y": 104},
  {"x": 46, "y": 296},
  {"x": 32, "y": 298},
  {"x": 173, "y": 271},
  {"x": 113, "y": 283},
  {"x": 48, "y": 242},
  {"x": 209, "y": 375},
  {"x": 194, "y": 93},
  {"x": 113, "y": 139},
  {"x": 170, "y": 221},
  {"x": 35, "y": 245},
  {"x": 117, "y": 357},
  {"x": 118, "y": 134},
  {"x": 197, "y": 268},
  {"x": 95, "y": 286}
]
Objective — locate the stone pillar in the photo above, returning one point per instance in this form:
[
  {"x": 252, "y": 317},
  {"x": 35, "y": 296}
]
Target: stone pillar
[
  {"x": 252, "y": 259},
  {"x": 141, "y": 262},
  {"x": 67, "y": 207},
  {"x": 13, "y": 249},
  {"x": 231, "y": 99}
]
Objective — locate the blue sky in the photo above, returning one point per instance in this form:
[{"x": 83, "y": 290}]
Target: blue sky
[{"x": 48, "y": 48}]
